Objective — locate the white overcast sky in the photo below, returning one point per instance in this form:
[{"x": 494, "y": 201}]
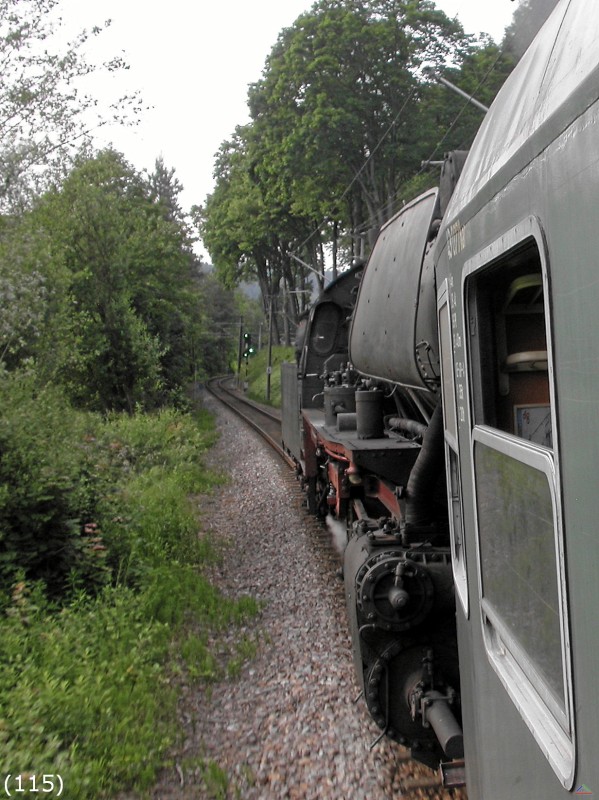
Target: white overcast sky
[{"x": 192, "y": 60}]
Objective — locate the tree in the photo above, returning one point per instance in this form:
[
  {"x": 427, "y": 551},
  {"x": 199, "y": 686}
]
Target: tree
[
  {"x": 248, "y": 239},
  {"x": 334, "y": 107},
  {"x": 45, "y": 116},
  {"x": 330, "y": 141},
  {"x": 93, "y": 226},
  {"x": 164, "y": 189},
  {"x": 528, "y": 19},
  {"x": 116, "y": 292},
  {"x": 23, "y": 294}
]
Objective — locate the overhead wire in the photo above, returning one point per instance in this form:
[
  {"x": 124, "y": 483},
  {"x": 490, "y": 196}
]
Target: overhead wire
[{"x": 367, "y": 224}]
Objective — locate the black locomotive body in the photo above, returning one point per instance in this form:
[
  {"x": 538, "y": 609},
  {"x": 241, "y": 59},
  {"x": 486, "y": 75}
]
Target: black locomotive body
[{"x": 363, "y": 420}]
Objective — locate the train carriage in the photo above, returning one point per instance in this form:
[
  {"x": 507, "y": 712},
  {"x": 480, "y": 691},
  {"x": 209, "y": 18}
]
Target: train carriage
[{"x": 518, "y": 297}]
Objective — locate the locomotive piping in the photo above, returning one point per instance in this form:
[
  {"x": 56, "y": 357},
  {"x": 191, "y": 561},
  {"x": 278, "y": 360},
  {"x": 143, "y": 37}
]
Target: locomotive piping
[
  {"x": 410, "y": 426},
  {"x": 423, "y": 477}
]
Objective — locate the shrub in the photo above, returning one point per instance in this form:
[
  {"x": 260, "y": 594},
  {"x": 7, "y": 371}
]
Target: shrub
[
  {"x": 81, "y": 497},
  {"x": 105, "y": 604},
  {"x": 48, "y": 491},
  {"x": 83, "y": 692}
]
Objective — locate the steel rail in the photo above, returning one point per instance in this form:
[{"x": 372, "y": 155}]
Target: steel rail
[{"x": 237, "y": 403}]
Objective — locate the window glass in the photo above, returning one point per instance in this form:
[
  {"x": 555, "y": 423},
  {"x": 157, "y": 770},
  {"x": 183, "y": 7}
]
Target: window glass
[
  {"x": 518, "y": 561},
  {"x": 325, "y": 325},
  {"x": 509, "y": 333}
]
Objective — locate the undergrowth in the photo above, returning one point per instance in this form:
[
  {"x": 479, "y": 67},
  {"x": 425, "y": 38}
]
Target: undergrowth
[{"x": 104, "y": 609}]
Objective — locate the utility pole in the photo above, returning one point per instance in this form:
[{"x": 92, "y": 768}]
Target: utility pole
[
  {"x": 269, "y": 364},
  {"x": 240, "y": 344}
]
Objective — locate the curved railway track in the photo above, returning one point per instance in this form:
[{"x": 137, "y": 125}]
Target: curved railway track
[{"x": 265, "y": 421}]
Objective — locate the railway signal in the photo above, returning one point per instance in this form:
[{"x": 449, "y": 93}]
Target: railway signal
[{"x": 248, "y": 348}]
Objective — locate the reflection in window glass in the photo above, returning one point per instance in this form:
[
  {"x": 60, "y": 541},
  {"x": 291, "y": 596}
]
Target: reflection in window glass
[
  {"x": 519, "y": 571},
  {"x": 324, "y": 328}
]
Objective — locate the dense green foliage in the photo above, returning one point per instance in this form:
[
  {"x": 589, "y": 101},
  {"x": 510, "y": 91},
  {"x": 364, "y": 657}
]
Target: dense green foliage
[
  {"x": 341, "y": 121},
  {"x": 47, "y": 495},
  {"x": 108, "y": 324},
  {"x": 110, "y": 302}
]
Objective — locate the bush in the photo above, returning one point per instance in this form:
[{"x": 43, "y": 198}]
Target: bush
[
  {"x": 82, "y": 693},
  {"x": 87, "y": 693},
  {"x": 88, "y": 684},
  {"x": 48, "y": 490},
  {"x": 80, "y": 497},
  {"x": 148, "y": 516}
]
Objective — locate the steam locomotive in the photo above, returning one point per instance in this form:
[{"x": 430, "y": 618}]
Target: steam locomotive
[{"x": 442, "y": 411}]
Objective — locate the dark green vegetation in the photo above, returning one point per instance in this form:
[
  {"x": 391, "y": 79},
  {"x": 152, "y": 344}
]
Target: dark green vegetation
[
  {"x": 103, "y": 602},
  {"x": 107, "y": 324},
  {"x": 341, "y": 120},
  {"x": 344, "y": 124}
]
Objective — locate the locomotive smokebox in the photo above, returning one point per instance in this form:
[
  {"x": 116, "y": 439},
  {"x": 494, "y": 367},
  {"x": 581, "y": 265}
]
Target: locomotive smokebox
[{"x": 394, "y": 328}]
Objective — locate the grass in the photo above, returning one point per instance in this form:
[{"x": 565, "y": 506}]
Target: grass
[{"x": 88, "y": 685}]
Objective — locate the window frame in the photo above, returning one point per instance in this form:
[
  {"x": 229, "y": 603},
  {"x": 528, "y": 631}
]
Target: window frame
[
  {"x": 331, "y": 345},
  {"x": 445, "y": 314},
  {"x": 552, "y": 725}
]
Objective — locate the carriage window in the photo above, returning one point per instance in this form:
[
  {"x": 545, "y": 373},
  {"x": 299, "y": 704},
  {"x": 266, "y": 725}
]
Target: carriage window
[
  {"x": 507, "y": 319},
  {"x": 517, "y": 541},
  {"x": 517, "y": 498}
]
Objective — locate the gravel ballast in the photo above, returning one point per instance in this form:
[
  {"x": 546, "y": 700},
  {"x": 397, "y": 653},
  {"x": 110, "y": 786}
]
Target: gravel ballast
[{"x": 287, "y": 726}]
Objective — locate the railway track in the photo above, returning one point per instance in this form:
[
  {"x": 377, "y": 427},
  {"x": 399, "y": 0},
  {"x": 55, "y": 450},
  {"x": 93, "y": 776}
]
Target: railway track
[
  {"x": 265, "y": 421},
  {"x": 413, "y": 781}
]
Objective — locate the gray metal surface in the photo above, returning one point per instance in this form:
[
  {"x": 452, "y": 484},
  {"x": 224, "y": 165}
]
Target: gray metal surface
[
  {"x": 394, "y": 312},
  {"x": 533, "y": 173}
]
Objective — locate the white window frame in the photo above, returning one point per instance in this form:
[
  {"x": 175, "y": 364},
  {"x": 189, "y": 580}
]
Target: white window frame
[{"x": 450, "y": 427}]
